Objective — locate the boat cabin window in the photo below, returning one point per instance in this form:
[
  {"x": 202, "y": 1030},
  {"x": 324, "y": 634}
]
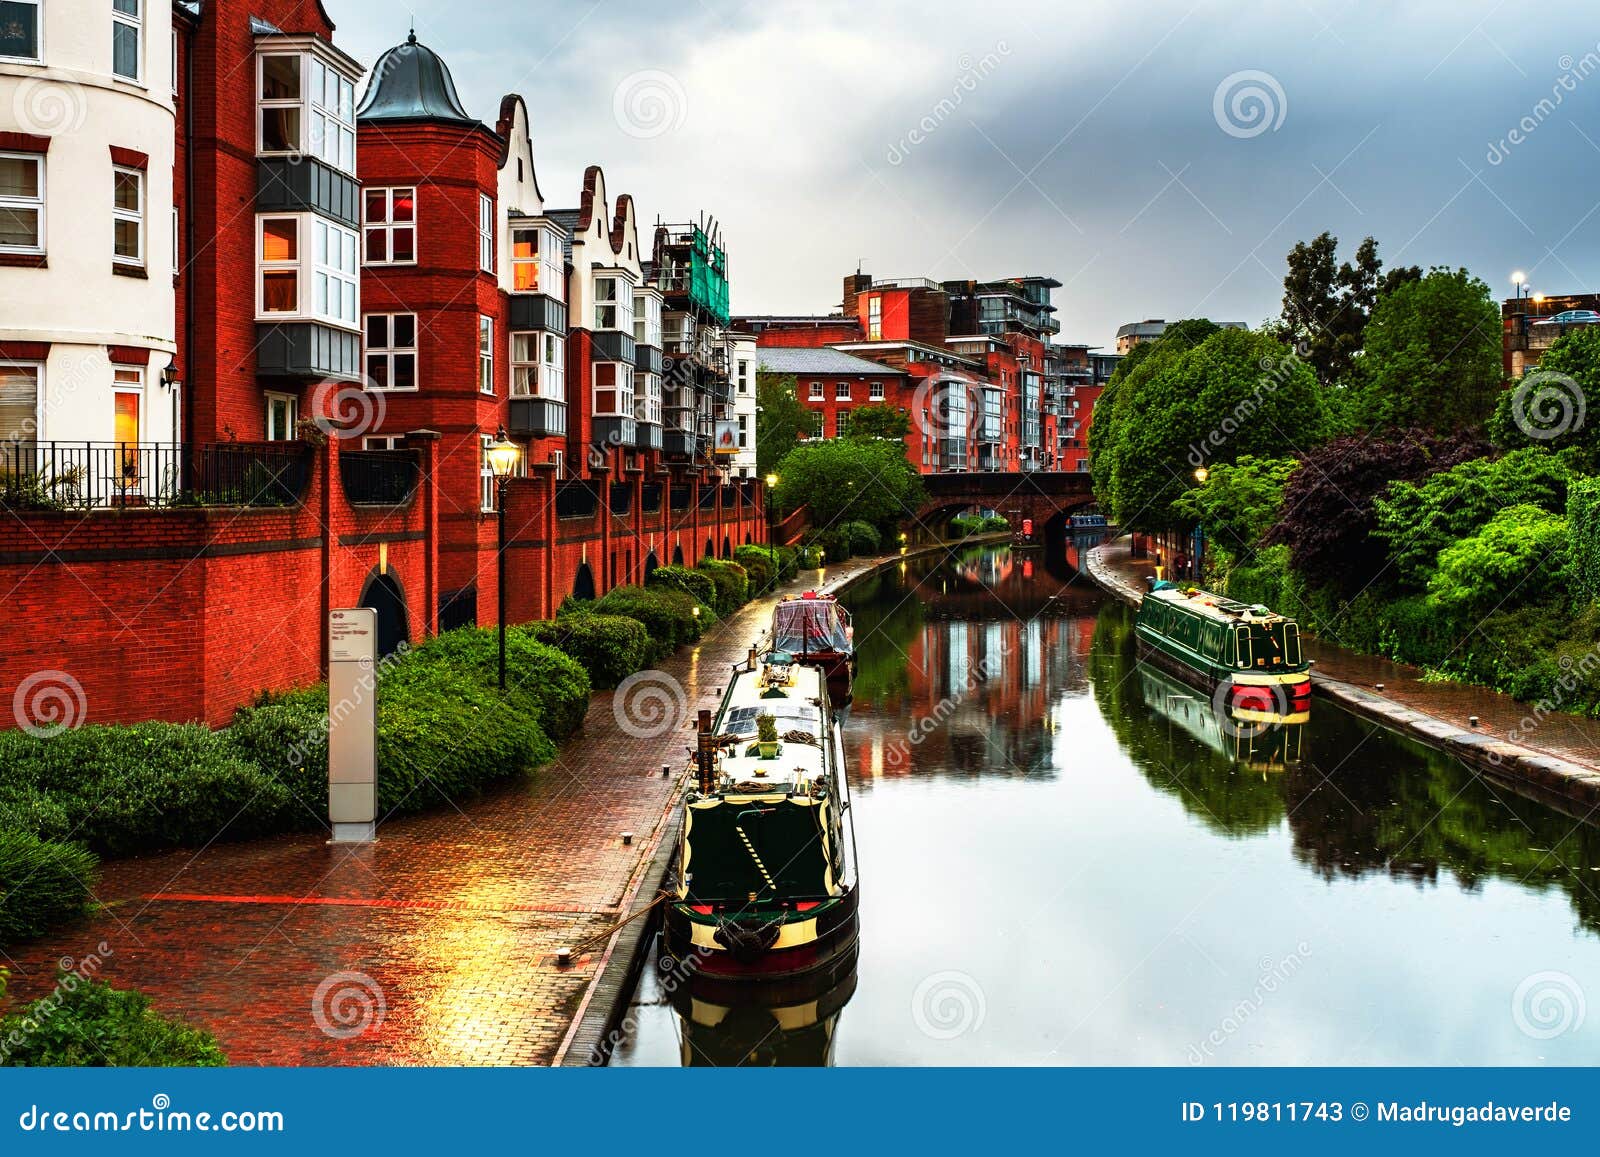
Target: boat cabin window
[
  {"x": 1291, "y": 644},
  {"x": 790, "y": 717},
  {"x": 1242, "y": 640}
]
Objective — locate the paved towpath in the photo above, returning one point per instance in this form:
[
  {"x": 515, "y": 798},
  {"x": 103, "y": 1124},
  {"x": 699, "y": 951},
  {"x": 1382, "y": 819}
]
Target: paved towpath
[{"x": 432, "y": 947}]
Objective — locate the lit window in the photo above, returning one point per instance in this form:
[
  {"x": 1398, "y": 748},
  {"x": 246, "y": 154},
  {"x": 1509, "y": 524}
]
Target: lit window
[
  {"x": 526, "y": 257},
  {"x": 392, "y": 351},
  {"x": 486, "y": 233},
  {"x": 613, "y": 389},
  {"x": 816, "y": 390},
  {"x": 21, "y": 203},
  {"x": 280, "y": 265},
  {"x": 19, "y": 30},
  {"x": 841, "y": 391},
  {"x": 485, "y": 354},
  {"x": 875, "y": 391},
  {"x": 875, "y": 318},
  {"x": 390, "y": 226},
  {"x": 125, "y": 38},
  {"x": 282, "y": 412},
  {"x": 537, "y": 366},
  {"x": 127, "y": 216},
  {"x": 322, "y": 282}
]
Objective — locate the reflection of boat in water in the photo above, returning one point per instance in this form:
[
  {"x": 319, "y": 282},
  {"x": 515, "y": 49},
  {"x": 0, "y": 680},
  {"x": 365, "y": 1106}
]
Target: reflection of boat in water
[
  {"x": 1248, "y": 656},
  {"x": 816, "y": 630},
  {"x": 790, "y": 1023},
  {"x": 765, "y": 885},
  {"x": 1256, "y": 739}
]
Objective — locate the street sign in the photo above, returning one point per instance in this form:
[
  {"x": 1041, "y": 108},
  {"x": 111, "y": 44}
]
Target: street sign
[
  {"x": 727, "y": 436},
  {"x": 353, "y": 725}
]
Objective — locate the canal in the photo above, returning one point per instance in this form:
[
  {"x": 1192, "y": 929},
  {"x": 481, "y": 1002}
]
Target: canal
[{"x": 1068, "y": 858}]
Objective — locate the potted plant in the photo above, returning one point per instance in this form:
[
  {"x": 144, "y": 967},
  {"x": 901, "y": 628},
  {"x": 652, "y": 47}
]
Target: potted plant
[{"x": 767, "y": 735}]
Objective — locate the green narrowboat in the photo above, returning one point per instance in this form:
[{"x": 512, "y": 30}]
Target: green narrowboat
[{"x": 1249, "y": 657}]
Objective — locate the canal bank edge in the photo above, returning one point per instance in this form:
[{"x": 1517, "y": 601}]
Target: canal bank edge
[
  {"x": 603, "y": 1009},
  {"x": 1550, "y": 775}
]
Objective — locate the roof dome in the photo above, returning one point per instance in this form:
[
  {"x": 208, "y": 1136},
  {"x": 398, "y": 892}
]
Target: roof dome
[{"x": 410, "y": 82}]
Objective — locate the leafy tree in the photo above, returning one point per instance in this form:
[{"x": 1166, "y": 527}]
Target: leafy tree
[
  {"x": 1237, "y": 393},
  {"x": 1326, "y": 307},
  {"x": 880, "y": 420},
  {"x": 1433, "y": 355},
  {"x": 848, "y": 480},
  {"x": 1418, "y": 521},
  {"x": 1327, "y": 518},
  {"x": 780, "y": 419},
  {"x": 1520, "y": 556},
  {"x": 1549, "y": 406},
  {"x": 1583, "y": 520},
  {"x": 1237, "y": 504}
]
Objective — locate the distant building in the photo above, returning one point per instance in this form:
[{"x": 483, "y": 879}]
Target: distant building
[
  {"x": 1139, "y": 332},
  {"x": 745, "y": 366},
  {"x": 1527, "y": 331}
]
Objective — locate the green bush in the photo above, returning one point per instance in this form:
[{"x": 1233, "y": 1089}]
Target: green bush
[
  {"x": 610, "y": 647},
  {"x": 732, "y": 584},
  {"x": 1519, "y": 557},
  {"x": 1583, "y": 524},
  {"x": 89, "y": 1024},
  {"x": 811, "y": 557},
  {"x": 122, "y": 790},
  {"x": 667, "y": 614},
  {"x": 555, "y": 685},
  {"x": 694, "y": 582},
  {"x": 42, "y": 882},
  {"x": 788, "y": 563},
  {"x": 758, "y": 563},
  {"x": 863, "y": 537}
]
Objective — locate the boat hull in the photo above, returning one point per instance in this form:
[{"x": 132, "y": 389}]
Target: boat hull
[
  {"x": 1269, "y": 694},
  {"x": 805, "y": 944}
]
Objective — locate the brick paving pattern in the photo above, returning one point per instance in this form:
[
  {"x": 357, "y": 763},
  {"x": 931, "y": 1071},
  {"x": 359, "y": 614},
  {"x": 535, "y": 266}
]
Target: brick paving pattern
[{"x": 448, "y": 924}]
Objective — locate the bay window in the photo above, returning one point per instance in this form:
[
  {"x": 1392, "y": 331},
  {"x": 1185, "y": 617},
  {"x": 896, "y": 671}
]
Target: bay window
[
  {"x": 525, "y": 259},
  {"x": 125, "y": 28},
  {"x": 335, "y": 275},
  {"x": 613, "y": 304},
  {"x": 647, "y": 405},
  {"x": 390, "y": 224},
  {"x": 127, "y": 216},
  {"x": 305, "y": 107},
  {"x": 315, "y": 281},
  {"x": 333, "y": 117},
  {"x": 647, "y": 319},
  {"x": 279, "y": 263},
  {"x": 537, "y": 366},
  {"x": 21, "y": 203},
  {"x": 19, "y": 30},
  {"x": 613, "y": 390},
  {"x": 486, "y": 233},
  {"x": 485, "y": 354},
  {"x": 392, "y": 351}
]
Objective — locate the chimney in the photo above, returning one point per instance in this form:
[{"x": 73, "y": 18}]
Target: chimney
[{"x": 855, "y": 284}]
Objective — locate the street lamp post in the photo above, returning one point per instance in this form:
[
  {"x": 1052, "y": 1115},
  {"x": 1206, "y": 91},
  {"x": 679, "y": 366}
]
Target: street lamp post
[
  {"x": 1520, "y": 280},
  {"x": 772, "y": 525},
  {"x": 1200, "y": 476},
  {"x": 503, "y": 455}
]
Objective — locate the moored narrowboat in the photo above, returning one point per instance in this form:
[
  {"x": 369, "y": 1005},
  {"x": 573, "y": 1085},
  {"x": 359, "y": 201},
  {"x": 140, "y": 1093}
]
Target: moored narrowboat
[
  {"x": 816, "y": 631},
  {"x": 765, "y": 887},
  {"x": 1249, "y": 657}
]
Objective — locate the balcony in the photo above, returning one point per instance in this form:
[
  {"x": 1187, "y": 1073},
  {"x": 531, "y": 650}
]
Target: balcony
[
  {"x": 530, "y": 311},
  {"x": 307, "y": 349},
  {"x": 614, "y": 431},
  {"x": 647, "y": 359},
  {"x": 537, "y": 418},
  {"x": 647, "y": 436},
  {"x": 612, "y": 345},
  {"x": 379, "y": 477},
  {"x": 107, "y": 475}
]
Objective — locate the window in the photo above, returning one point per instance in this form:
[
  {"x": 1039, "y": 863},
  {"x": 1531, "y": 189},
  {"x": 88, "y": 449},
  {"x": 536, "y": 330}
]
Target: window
[
  {"x": 282, "y": 412},
  {"x": 875, "y": 318},
  {"x": 19, "y": 402},
  {"x": 744, "y": 375},
  {"x": 174, "y": 60},
  {"x": 613, "y": 304},
  {"x": 816, "y": 391},
  {"x": 19, "y": 30},
  {"x": 816, "y": 423},
  {"x": 744, "y": 432},
  {"x": 125, "y": 38},
  {"x": 485, "y": 233},
  {"x": 280, "y": 265},
  {"x": 334, "y": 271},
  {"x": 525, "y": 259},
  {"x": 391, "y": 226},
  {"x": 647, "y": 319},
  {"x": 21, "y": 203},
  {"x": 875, "y": 391},
  {"x": 127, "y": 216},
  {"x": 392, "y": 351},
  {"x": 537, "y": 366},
  {"x": 558, "y": 459},
  {"x": 841, "y": 391},
  {"x": 304, "y": 107},
  {"x": 487, "y": 486},
  {"x": 333, "y": 117},
  {"x": 841, "y": 423},
  {"x": 485, "y": 354},
  {"x": 279, "y": 104},
  {"x": 613, "y": 389},
  {"x": 647, "y": 406},
  {"x": 177, "y": 262},
  {"x": 383, "y": 442}
]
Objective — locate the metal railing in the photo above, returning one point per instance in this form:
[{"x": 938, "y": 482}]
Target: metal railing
[
  {"x": 107, "y": 475},
  {"x": 379, "y": 477}
]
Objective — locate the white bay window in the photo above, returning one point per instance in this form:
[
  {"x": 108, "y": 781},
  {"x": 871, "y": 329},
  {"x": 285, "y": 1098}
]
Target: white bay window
[
  {"x": 305, "y": 107},
  {"x": 538, "y": 366},
  {"x": 613, "y": 390},
  {"x": 306, "y": 268},
  {"x": 613, "y": 303},
  {"x": 647, "y": 403}
]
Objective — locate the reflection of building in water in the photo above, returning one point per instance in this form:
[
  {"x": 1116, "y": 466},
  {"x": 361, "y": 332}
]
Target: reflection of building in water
[
  {"x": 789, "y": 1025},
  {"x": 1255, "y": 739}
]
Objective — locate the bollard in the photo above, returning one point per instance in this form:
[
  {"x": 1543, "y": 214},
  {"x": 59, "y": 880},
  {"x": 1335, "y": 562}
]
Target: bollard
[{"x": 627, "y": 838}]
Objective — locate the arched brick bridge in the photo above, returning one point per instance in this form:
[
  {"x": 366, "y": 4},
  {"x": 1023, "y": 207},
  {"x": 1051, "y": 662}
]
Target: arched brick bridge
[{"x": 1042, "y": 495}]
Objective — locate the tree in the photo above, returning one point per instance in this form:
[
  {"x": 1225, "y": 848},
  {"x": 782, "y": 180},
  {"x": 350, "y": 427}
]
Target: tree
[
  {"x": 1237, "y": 504},
  {"x": 1326, "y": 308},
  {"x": 880, "y": 420},
  {"x": 1520, "y": 556},
  {"x": 1549, "y": 406},
  {"x": 847, "y": 480},
  {"x": 1432, "y": 355},
  {"x": 780, "y": 419}
]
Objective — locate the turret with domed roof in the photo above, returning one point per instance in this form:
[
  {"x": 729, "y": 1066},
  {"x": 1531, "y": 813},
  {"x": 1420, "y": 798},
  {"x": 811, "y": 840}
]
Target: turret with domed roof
[{"x": 411, "y": 83}]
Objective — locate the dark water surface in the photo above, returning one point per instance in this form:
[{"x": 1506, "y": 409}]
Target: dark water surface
[{"x": 1068, "y": 858}]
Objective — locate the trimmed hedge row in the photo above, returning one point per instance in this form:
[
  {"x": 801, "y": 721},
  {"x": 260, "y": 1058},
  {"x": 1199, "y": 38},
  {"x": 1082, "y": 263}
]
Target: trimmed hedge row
[
  {"x": 732, "y": 583},
  {"x": 691, "y": 581},
  {"x": 42, "y": 882},
  {"x": 610, "y": 647},
  {"x": 668, "y": 615}
]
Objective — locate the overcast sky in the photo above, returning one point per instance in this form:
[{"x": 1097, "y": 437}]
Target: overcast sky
[{"x": 1092, "y": 140}]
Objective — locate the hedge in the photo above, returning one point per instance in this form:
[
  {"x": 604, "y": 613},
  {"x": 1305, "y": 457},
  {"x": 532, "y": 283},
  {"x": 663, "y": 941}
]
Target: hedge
[
  {"x": 555, "y": 684},
  {"x": 694, "y": 582},
  {"x": 758, "y": 562},
  {"x": 123, "y": 790},
  {"x": 863, "y": 537},
  {"x": 42, "y": 882},
  {"x": 667, "y": 614},
  {"x": 732, "y": 584},
  {"x": 87, "y": 1023},
  {"x": 609, "y": 647},
  {"x": 1583, "y": 524}
]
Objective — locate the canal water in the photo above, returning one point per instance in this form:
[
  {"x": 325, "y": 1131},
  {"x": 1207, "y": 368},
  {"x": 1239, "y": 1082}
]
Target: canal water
[{"x": 1069, "y": 858}]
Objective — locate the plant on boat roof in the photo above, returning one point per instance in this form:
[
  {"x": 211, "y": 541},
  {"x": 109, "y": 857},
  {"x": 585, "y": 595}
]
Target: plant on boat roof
[{"x": 767, "y": 727}]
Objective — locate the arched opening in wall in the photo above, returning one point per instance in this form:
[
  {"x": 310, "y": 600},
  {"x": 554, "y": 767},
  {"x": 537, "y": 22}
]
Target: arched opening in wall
[
  {"x": 383, "y": 594},
  {"x": 583, "y": 583},
  {"x": 627, "y": 561},
  {"x": 677, "y": 555},
  {"x": 727, "y": 547},
  {"x": 651, "y": 563},
  {"x": 748, "y": 540},
  {"x": 711, "y": 548}
]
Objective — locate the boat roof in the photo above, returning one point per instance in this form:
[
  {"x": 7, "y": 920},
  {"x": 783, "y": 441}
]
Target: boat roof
[
  {"x": 794, "y": 694},
  {"x": 1215, "y": 606}
]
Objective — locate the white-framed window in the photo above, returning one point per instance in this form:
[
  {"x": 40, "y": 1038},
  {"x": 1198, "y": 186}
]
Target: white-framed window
[
  {"x": 335, "y": 275},
  {"x": 305, "y": 107},
  {"x": 875, "y": 391},
  {"x": 127, "y": 216},
  {"x": 174, "y": 61},
  {"x": 744, "y": 432},
  {"x": 613, "y": 303},
  {"x": 558, "y": 459},
  {"x": 489, "y": 485},
  {"x": 19, "y": 31},
  {"x": 841, "y": 391},
  {"x": 537, "y": 365},
  {"x": 390, "y": 226},
  {"x": 19, "y": 402},
  {"x": 125, "y": 36},
  {"x": 278, "y": 263},
  {"x": 21, "y": 203},
  {"x": 530, "y": 257},
  {"x": 383, "y": 442},
  {"x": 283, "y": 410},
  {"x": 875, "y": 318},
  {"x": 485, "y": 232},
  {"x": 744, "y": 375},
  {"x": 391, "y": 351},
  {"x": 613, "y": 389},
  {"x": 294, "y": 279},
  {"x": 647, "y": 402},
  {"x": 647, "y": 319},
  {"x": 485, "y": 353},
  {"x": 177, "y": 255},
  {"x": 816, "y": 391}
]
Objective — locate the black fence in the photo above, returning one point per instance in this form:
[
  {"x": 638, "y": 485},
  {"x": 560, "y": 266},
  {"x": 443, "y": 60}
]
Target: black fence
[
  {"x": 576, "y": 498},
  {"x": 650, "y": 498},
  {"x": 680, "y": 498},
  {"x": 621, "y": 497},
  {"x": 379, "y": 477},
  {"x": 106, "y": 475}
]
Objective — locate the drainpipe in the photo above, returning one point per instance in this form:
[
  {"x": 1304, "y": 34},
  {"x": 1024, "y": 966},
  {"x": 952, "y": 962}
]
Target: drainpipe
[{"x": 187, "y": 41}]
